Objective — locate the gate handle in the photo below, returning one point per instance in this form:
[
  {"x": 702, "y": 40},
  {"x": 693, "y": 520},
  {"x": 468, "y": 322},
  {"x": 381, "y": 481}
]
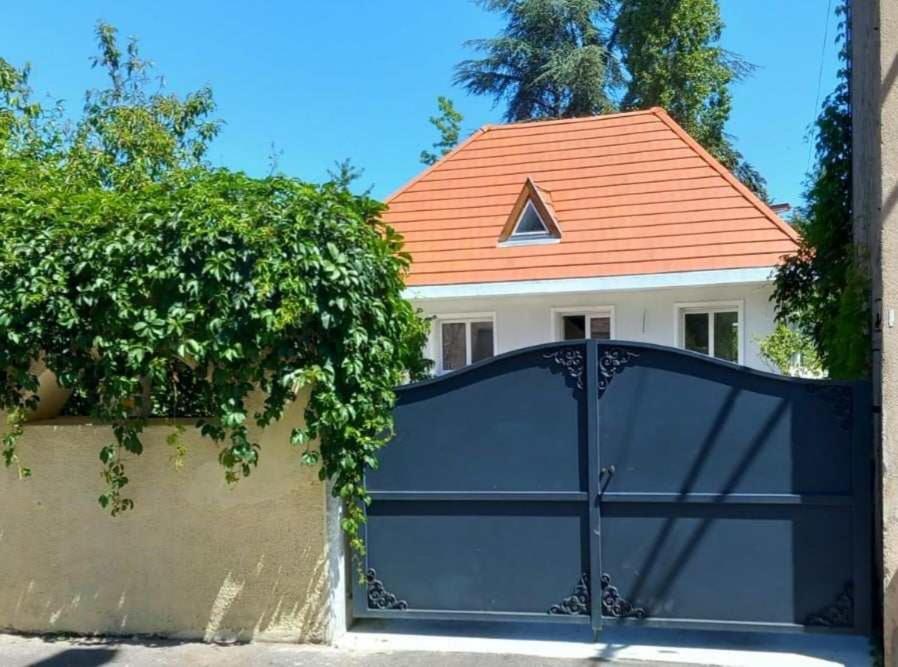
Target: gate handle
[{"x": 606, "y": 473}]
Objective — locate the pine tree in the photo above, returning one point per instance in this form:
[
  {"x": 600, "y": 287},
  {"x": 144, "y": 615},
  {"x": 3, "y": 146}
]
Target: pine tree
[{"x": 550, "y": 61}]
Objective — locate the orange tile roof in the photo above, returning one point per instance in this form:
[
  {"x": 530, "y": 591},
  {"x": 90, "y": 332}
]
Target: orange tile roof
[{"x": 632, "y": 194}]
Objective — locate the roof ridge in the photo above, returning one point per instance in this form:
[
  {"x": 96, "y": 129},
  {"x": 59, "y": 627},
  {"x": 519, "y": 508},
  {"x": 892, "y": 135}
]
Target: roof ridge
[
  {"x": 563, "y": 121},
  {"x": 483, "y": 129},
  {"x": 453, "y": 205}
]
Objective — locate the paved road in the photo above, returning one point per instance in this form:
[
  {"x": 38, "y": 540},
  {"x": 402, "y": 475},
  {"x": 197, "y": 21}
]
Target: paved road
[{"x": 18, "y": 651}]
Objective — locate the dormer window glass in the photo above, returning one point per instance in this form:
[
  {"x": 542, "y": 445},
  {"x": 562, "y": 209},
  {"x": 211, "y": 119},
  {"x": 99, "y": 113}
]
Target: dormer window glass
[{"x": 530, "y": 224}]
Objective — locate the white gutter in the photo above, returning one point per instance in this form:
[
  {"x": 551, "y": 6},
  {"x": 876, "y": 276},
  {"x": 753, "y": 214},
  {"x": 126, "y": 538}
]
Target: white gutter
[{"x": 601, "y": 284}]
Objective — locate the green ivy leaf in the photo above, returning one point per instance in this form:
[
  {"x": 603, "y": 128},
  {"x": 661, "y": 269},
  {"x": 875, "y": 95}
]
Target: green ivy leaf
[{"x": 154, "y": 285}]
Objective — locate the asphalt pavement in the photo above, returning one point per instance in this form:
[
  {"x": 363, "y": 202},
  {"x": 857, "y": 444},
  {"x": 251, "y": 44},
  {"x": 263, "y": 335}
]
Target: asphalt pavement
[{"x": 19, "y": 651}]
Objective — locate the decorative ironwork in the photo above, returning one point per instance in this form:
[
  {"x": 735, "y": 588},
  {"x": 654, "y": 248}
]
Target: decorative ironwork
[
  {"x": 840, "y": 398},
  {"x": 840, "y": 614},
  {"x": 612, "y": 361},
  {"x": 571, "y": 362},
  {"x": 577, "y": 604},
  {"x": 379, "y": 597},
  {"x": 614, "y": 605}
]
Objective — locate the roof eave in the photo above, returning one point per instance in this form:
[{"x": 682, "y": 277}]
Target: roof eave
[{"x": 646, "y": 281}]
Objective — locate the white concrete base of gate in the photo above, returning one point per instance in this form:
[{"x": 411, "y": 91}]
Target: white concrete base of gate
[
  {"x": 708, "y": 649},
  {"x": 337, "y": 607}
]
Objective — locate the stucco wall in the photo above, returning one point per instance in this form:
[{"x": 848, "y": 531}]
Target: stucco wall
[
  {"x": 195, "y": 558},
  {"x": 639, "y": 315},
  {"x": 875, "y": 154}
]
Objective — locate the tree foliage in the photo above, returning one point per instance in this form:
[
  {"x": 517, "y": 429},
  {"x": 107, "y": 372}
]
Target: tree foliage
[
  {"x": 561, "y": 58},
  {"x": 123, "y": 257},
  {"x": 790, "y": 352},
  {"x": 550, "y": 61},
  {"x": 448, "y": 124},
  {"x": 345, "y": 173},
  {"x": 823, "y": 289},
  {"x": 671, "y": 52},
  {"x": 129, "y": 135}
]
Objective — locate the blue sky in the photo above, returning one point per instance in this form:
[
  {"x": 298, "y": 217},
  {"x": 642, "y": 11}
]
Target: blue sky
[{"x": 322, "y": 81}]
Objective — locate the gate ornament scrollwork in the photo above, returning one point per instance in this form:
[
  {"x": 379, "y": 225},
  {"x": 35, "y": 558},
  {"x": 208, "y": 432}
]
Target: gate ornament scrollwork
[
  {"x": 614, "y": 605},
  {"x": 840, "y": 614},
  {"x": 571, "y": 362},
  {"x": 612, "y": 361},
  {"x": 577, "y": 604},
  {"x": 379, "y": 597}
]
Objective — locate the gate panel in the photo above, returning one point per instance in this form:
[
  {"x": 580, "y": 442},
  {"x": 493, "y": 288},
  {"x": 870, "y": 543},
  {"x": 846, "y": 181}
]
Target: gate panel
[
  {"x": 480, "y": 503},
  {"x": 736, "y": 496},
  {"x": 579, "y": 481},
  {"x": 479, "y": 556},
  {"x": 513, "y": 423}
]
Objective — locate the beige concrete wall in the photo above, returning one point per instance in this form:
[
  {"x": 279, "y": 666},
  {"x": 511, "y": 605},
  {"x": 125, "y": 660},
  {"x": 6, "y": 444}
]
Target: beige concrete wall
[
  {"x": 875, "y": 109},
  {"x": 195, "y": 558}
]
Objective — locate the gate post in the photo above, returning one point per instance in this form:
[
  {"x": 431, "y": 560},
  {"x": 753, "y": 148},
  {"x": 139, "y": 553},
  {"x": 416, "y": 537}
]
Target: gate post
[{"x": 595, "y": 519}]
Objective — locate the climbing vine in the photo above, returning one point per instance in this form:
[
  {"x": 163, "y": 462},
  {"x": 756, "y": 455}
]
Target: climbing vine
[
  {"x": 124, "y": 256},
  {"x": 823, "y": 290}
]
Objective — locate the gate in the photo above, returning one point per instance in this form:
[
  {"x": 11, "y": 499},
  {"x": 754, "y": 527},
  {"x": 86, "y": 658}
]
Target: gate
[{"x": 591, "y": 481}]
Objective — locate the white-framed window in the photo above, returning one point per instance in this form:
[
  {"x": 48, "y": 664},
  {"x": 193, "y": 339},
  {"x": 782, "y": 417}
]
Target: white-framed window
[
  {"x": 715, "y": 329},
  {"x": 463, "y": 339},
  {"x": 576, "y": 323}
]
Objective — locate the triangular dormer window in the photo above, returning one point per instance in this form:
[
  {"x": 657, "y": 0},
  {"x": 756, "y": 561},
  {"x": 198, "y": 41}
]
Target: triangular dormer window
[
  {"x": 532, "y": 218},
  {"x": 530, "y": 225}
]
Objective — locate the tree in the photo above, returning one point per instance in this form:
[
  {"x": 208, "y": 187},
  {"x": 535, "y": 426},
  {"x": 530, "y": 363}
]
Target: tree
[
  {"x": 129, "y": 135},
  {"x": 823, "y": 289},
  {"x": 345, "y": 173},
  {"x": 560, "y": 58},
  {"x": 125, "y": 259},
  {"x": 448, "y": 124},
  {"x": 670, "y": 50},
  {"x": 790, "y": 352},
  {"x": 551, "y": 60}
]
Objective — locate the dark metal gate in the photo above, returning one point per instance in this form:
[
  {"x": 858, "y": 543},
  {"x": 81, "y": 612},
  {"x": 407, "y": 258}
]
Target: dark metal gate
[{"x": 593, "y": 481}]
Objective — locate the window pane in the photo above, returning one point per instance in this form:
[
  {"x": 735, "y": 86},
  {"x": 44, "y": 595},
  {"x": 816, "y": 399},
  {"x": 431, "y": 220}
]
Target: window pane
[
  {"x": 600, "y": 328},
  {"x": 481, "y": 340},
  {"x": 695, "y": 332},
  {"x": 574, "y": 327},
  {"x": 726, "y": 336},
  {"x": 530, "y": 222},
  {"x": 454, "y": 354}
]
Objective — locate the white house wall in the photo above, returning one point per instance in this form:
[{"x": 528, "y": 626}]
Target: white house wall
[{"x": 639, "y": 315}]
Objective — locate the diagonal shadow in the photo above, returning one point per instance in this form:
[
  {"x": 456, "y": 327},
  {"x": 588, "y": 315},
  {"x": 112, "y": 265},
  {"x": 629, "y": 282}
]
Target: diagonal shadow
[
  {"x": 890, "y": 198},
  {"x": 689, "y": 484},
  {"x": 738, "y": 472},
  {"x": 888, "y": 80},
  {"x": 888, "y": 206}
]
